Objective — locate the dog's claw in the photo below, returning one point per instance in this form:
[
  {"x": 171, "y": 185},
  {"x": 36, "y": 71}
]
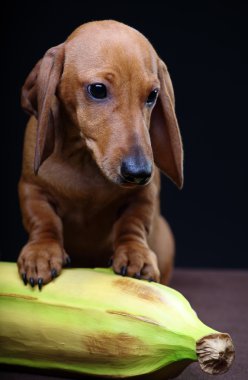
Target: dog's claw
[
  {"x": 110, "y": 262},
  {"x": 31, "y": 281},
  {"x": 40, "y": 283},
  {"x": 137, "y": 276},
  {"x": 151, "y": 279},
  {"x": 68, "y": 261},
  {"x": 54, "y": 273},
  {"x": 123, "y": 271},
  {"x": 24, "y": 278}
]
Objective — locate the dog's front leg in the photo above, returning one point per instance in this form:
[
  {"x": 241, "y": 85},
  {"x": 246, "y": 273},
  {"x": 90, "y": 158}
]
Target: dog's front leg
[
  {"x": 42, "y": 258},
  {"x": 132, "y": 255}
]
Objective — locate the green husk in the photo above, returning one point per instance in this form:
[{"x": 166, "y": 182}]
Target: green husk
[{"x": 95, "y": 322}]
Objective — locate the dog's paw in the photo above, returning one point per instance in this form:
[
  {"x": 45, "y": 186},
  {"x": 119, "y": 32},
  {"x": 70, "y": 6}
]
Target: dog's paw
[
  {"x": 136, "y": 260},
  {"x": 40, "y": 262}
]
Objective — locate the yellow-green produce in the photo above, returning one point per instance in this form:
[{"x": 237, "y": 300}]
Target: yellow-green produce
[{"x": 92, "y": 321}]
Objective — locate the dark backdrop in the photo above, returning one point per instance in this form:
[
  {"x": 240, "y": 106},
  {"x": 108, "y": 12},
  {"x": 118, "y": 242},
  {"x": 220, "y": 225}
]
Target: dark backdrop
[{"x": 205, "y": 50}]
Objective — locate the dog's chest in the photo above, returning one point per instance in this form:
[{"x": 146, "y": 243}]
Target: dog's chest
[
  {"x": 84, "y": 199},
  {"x": 88, "y": 222},
  {"x": 76, "y": 184},
  {"x": 87, "y": 203}
]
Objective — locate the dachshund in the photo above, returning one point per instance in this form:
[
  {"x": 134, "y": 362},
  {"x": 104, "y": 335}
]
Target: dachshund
[{"x": 102, "y": 125}]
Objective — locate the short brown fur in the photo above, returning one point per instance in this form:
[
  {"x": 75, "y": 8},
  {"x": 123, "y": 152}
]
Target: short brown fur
[{"x": 71, "y": 194}]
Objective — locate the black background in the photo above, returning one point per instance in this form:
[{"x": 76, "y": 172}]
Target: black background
[{"x": 205, "y": 48}]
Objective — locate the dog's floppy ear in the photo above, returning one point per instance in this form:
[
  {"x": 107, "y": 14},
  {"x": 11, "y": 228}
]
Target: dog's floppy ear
[
  {"x": 38, "y": 96},
  {"x": 165, "y": 135}
]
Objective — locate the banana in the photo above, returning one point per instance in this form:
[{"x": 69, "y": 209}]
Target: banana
[{"x": 92, "y": 321}]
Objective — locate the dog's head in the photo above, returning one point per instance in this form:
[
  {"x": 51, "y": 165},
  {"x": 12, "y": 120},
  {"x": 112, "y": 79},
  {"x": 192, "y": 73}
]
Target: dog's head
[{"x": 119, "y": 95}]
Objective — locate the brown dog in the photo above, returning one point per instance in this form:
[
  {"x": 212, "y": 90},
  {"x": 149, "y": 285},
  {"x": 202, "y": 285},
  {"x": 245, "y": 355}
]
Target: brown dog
[{"x": 102, "y": 107}]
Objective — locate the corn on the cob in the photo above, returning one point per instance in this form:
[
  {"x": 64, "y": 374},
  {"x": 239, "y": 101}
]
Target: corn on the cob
[{"x": 93, "y": 321}]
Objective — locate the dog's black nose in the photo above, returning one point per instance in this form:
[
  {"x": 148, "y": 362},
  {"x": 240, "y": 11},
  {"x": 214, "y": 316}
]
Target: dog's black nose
[{"x": 136, "y": 170}]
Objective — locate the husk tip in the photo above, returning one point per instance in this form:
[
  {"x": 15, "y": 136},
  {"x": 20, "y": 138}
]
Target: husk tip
[{"x": 215, "y": 353}]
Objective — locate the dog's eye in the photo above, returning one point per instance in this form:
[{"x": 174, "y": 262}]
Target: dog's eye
[
  {"x": 97, "y": 90},
  {"x": 152, "y": 97}
]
